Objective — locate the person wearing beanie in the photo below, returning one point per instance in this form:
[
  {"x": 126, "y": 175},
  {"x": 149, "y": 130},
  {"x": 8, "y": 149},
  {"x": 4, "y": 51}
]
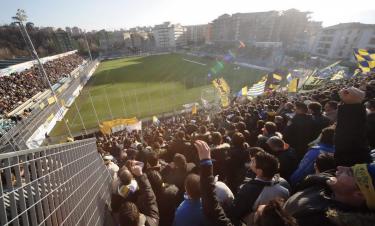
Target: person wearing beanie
[{"x": 351, "y": 190}]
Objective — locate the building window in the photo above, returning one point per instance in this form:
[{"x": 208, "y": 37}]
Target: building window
[{"x": 372, "y": 41}]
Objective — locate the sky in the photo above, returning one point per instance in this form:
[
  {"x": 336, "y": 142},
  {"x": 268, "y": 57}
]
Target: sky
[{"x": 116, "y": 14}]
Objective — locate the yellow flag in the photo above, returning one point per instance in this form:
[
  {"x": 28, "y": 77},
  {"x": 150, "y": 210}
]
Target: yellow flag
[
  {"x": 194, "y": 109},
  {"x": 50, "y": 117},
  {"x": 244, "y": 91},
  {"x": 225, "y": 85},
  {"x": 277, "y": 77},
  {"x": 293, "y": 85},
  {"x": 51, "y": 100},
  {"x": 224, "y": 101}
]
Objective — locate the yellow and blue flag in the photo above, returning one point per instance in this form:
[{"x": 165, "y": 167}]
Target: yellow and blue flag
[
  {"x": 365, "y": 59},
  {"x": 242, "y": 92}
]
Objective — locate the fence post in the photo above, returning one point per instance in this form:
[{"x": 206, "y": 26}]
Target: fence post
[
  {"x": 93, "y": 107},
  {"x": 109, "y": 107}
]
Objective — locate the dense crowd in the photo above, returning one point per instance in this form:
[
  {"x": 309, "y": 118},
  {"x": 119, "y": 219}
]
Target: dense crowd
[
  {"x": 17, "y": 88},
  {"x": 275, "y": 160}
]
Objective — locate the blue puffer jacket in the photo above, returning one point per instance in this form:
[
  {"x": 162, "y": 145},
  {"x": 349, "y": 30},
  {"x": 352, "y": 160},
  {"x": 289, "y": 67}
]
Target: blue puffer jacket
[{"x": 306, "y": 166}]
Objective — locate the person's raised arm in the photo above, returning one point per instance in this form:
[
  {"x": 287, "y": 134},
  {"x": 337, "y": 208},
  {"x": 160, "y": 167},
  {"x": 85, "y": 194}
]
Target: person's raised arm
[
  {"x": 211, "y": 207},
  {"x": 350, "y": 136},
  {"x": 147, "y": 197}
]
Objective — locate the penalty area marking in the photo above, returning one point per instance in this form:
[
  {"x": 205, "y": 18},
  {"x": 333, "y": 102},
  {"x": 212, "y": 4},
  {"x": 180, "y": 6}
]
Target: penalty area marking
[{"x": 194, "y": 62}]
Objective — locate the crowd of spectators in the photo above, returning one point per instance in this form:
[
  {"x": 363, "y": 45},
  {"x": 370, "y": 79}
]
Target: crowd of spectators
[
  {"x": 17, "y": 88},
  {"x": 276, "y": 160}
]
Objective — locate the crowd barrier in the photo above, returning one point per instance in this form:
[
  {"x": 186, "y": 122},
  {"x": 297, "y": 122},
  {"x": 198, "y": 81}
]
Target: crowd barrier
[{"x": 65, "y": 184}]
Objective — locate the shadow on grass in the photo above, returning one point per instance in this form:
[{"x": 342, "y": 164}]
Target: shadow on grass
[{"x": 168, "y": 68}]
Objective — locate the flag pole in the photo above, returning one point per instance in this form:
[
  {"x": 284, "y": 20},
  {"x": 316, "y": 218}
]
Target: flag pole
[
  {"x": 149, "y": 98},
  {"x": 123, "y": 102},
  {"x": 109, "y": 107},
  {"x": 136, "y": 103},
  {"x": 93, "y": 107},
  {"x": 80, "y": 117}
]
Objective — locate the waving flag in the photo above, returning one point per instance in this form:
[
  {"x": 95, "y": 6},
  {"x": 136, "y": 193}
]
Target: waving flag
[
  {"x": 155, "y": 120},
  {"x": 293, "y": 86},
  {"x": 277, "y": 77},
  {"x": 258, "y": 88},
  {"x": 365, "y": 59},
  {"x": 289, "y": 78},
  {"x": 194, "y": 109}
]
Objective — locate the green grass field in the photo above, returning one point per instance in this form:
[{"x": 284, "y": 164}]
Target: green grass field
[{"x": 147, "y": 86}]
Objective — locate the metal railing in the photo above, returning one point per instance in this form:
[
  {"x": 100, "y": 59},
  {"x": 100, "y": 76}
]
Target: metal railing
[{"x": 65, "y": 184}]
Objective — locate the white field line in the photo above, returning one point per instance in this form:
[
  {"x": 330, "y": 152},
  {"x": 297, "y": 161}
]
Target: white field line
[{"x": 195, "y": 62}]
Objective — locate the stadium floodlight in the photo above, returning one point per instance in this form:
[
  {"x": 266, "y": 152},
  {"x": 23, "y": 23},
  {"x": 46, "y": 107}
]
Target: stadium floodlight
[
  {"x": 19, "y": 19},
  {"x": 87, "y": 44}
]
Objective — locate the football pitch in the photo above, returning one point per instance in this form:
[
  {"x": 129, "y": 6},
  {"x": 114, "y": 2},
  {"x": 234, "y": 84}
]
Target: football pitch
[{"x": 145, "y": 86}]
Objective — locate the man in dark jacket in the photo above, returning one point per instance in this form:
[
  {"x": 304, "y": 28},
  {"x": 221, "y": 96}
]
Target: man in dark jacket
[
  {"x": 269, "y": 130},
  {"x": 176, "y": 172},
  {"x": 212, "y": 208},
  {"x": 320, "y": 121},
  {"x": 299, "y": 131},
  {"x": 258, "y": 191},
  {"x": 179, "y": 145},
  {"x": 235, "y": 165},
  {"x": 166, "y": 196},
  {"x": 350, "y": 138},
  {"x": 286, "y": 156}
]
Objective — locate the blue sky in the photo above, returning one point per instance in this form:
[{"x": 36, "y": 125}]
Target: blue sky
[{"x": 115, "y": 14}]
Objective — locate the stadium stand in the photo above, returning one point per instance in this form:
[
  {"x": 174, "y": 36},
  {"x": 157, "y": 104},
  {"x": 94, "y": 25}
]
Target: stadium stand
[
  {"x": 18, "y": 88},
  {"x": 19, "y": 135},
  {"x": 22, "y": 92}
]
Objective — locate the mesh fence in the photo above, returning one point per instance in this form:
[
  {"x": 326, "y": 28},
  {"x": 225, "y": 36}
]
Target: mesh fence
[{"x": 65, "y": 184}]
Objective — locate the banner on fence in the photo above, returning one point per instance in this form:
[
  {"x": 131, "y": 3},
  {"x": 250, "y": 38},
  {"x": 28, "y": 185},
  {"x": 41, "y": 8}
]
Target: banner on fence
[{"x": 112, "y": 126}]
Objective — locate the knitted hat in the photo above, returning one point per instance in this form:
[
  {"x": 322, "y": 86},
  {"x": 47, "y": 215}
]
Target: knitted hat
[{"x": 365, "y": 177}]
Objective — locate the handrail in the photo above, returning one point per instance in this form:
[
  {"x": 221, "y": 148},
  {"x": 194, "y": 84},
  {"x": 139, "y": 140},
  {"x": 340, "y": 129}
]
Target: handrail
[{"x": 29, "y": 151}]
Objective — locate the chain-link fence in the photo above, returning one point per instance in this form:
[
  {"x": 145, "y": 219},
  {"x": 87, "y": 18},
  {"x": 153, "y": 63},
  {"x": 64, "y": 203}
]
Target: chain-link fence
[{"x": 65, "y": 184}]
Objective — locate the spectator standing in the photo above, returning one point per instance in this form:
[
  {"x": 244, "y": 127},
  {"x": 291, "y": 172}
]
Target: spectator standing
[
  {"x": 299, "y": 131},
  {"x": 190, "y": 210},
  {"x": 285, "y": 154},
  {"x": 306, "y": 165}
]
